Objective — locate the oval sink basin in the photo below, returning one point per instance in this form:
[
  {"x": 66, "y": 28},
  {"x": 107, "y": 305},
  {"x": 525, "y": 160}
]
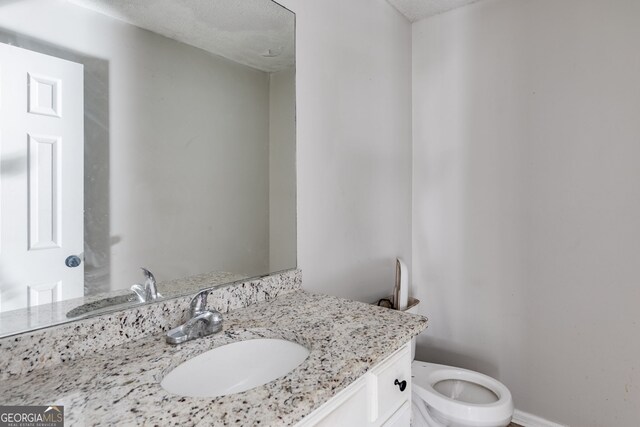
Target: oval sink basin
[{"x": 234, "y": 368}]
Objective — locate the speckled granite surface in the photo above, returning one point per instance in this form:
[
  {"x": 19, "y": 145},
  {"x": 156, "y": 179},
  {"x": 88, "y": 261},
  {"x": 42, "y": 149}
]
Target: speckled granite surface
[
  {"x": 24, "y": 353},
  {"x": 120, "y": 385}
]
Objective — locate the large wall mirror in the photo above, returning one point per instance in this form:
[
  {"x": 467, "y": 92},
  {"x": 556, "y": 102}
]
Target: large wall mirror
[{"x": 148, "y": 133}]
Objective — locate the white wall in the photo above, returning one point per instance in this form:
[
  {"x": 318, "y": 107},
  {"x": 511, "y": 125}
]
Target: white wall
[
  {"x": 168, "y": 126},
  {"x": 353, "y": 67},
  {"x": 282, "y": 170},
  {"x": 526, "y": 203}
]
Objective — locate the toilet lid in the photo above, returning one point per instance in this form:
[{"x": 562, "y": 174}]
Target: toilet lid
[{"x": 461, "y": 394}]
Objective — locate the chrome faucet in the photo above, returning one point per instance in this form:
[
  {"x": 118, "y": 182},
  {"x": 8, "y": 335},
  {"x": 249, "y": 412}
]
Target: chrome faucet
[
  {"x": 149, "y": 291},
  {"x": 203, "y": 322}
]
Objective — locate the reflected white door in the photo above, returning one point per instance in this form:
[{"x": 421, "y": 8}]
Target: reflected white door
[{"x": 41, "y": 178}]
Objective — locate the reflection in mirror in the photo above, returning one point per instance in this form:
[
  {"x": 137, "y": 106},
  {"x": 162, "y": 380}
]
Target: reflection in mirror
[{"x": 156, "y": 134}]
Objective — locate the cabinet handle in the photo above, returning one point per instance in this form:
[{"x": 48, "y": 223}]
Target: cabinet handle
[{"x": 401, "y": 384}]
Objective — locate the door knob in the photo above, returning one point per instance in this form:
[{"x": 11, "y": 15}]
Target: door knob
[{"x": 72, "y": 261}]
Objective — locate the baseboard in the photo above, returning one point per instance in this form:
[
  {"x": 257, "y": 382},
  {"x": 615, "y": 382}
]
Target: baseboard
[{"x": 528, "y": 420}]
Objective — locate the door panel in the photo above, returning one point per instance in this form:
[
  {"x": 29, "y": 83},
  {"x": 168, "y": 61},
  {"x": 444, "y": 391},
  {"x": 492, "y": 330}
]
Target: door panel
[{"x": 44, "y": 192}]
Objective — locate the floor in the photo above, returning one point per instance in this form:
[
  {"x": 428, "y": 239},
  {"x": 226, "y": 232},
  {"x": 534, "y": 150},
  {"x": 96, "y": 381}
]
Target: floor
[{"x": 514, "y": 425}]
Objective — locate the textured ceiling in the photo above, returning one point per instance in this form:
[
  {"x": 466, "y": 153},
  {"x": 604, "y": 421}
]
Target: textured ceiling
[
  {"x": 257, "y": 33},
  {"x": 416, "y": 10}
]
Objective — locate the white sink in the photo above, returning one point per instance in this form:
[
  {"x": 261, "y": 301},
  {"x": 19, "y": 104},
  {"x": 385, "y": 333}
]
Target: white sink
[{"x": 234, "y": 368}]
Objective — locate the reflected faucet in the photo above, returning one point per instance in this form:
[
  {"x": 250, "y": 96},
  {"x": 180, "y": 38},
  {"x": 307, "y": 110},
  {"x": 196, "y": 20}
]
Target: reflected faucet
[
  {"x": 202, "y": 322},
  {"x": 149, "y": 291}
]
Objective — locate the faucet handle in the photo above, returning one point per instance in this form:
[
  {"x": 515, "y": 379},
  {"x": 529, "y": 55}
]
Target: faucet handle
[
  {"x": 199, "y": 302},
  {"x": 147, "y": 274}
]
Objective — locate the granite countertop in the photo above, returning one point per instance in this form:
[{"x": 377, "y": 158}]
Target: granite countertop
[{"x": 121, "y": 385}]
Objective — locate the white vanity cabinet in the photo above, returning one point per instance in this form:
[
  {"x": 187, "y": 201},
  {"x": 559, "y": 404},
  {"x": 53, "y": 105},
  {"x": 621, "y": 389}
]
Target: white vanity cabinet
[{"x": 381, "y": 397}]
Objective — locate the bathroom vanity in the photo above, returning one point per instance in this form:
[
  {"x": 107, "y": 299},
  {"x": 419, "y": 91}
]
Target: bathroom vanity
[
  {"x": 104, "y": 372},
  {"x": 381, "y": 397}
]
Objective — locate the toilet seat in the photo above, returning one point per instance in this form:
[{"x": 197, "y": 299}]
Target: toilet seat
[{"x": 426, "y": 375}]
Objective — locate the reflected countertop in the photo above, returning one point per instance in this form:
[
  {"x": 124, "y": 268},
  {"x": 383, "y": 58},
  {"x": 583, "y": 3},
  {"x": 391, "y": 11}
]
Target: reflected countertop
[{"x": 121, "y": 385}]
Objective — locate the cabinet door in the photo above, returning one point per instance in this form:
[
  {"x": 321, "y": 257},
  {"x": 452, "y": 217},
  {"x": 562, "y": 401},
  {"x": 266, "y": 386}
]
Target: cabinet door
[
  {"x": 401, "y": 418},
  {"x": 393, "y": 383},
  {"x": 352, "y": 412}
]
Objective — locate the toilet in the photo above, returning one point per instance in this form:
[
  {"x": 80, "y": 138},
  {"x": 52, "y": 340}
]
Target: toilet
[
  {"x": 455, "y": 397},
  {"x": 447, "y": 396}
]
